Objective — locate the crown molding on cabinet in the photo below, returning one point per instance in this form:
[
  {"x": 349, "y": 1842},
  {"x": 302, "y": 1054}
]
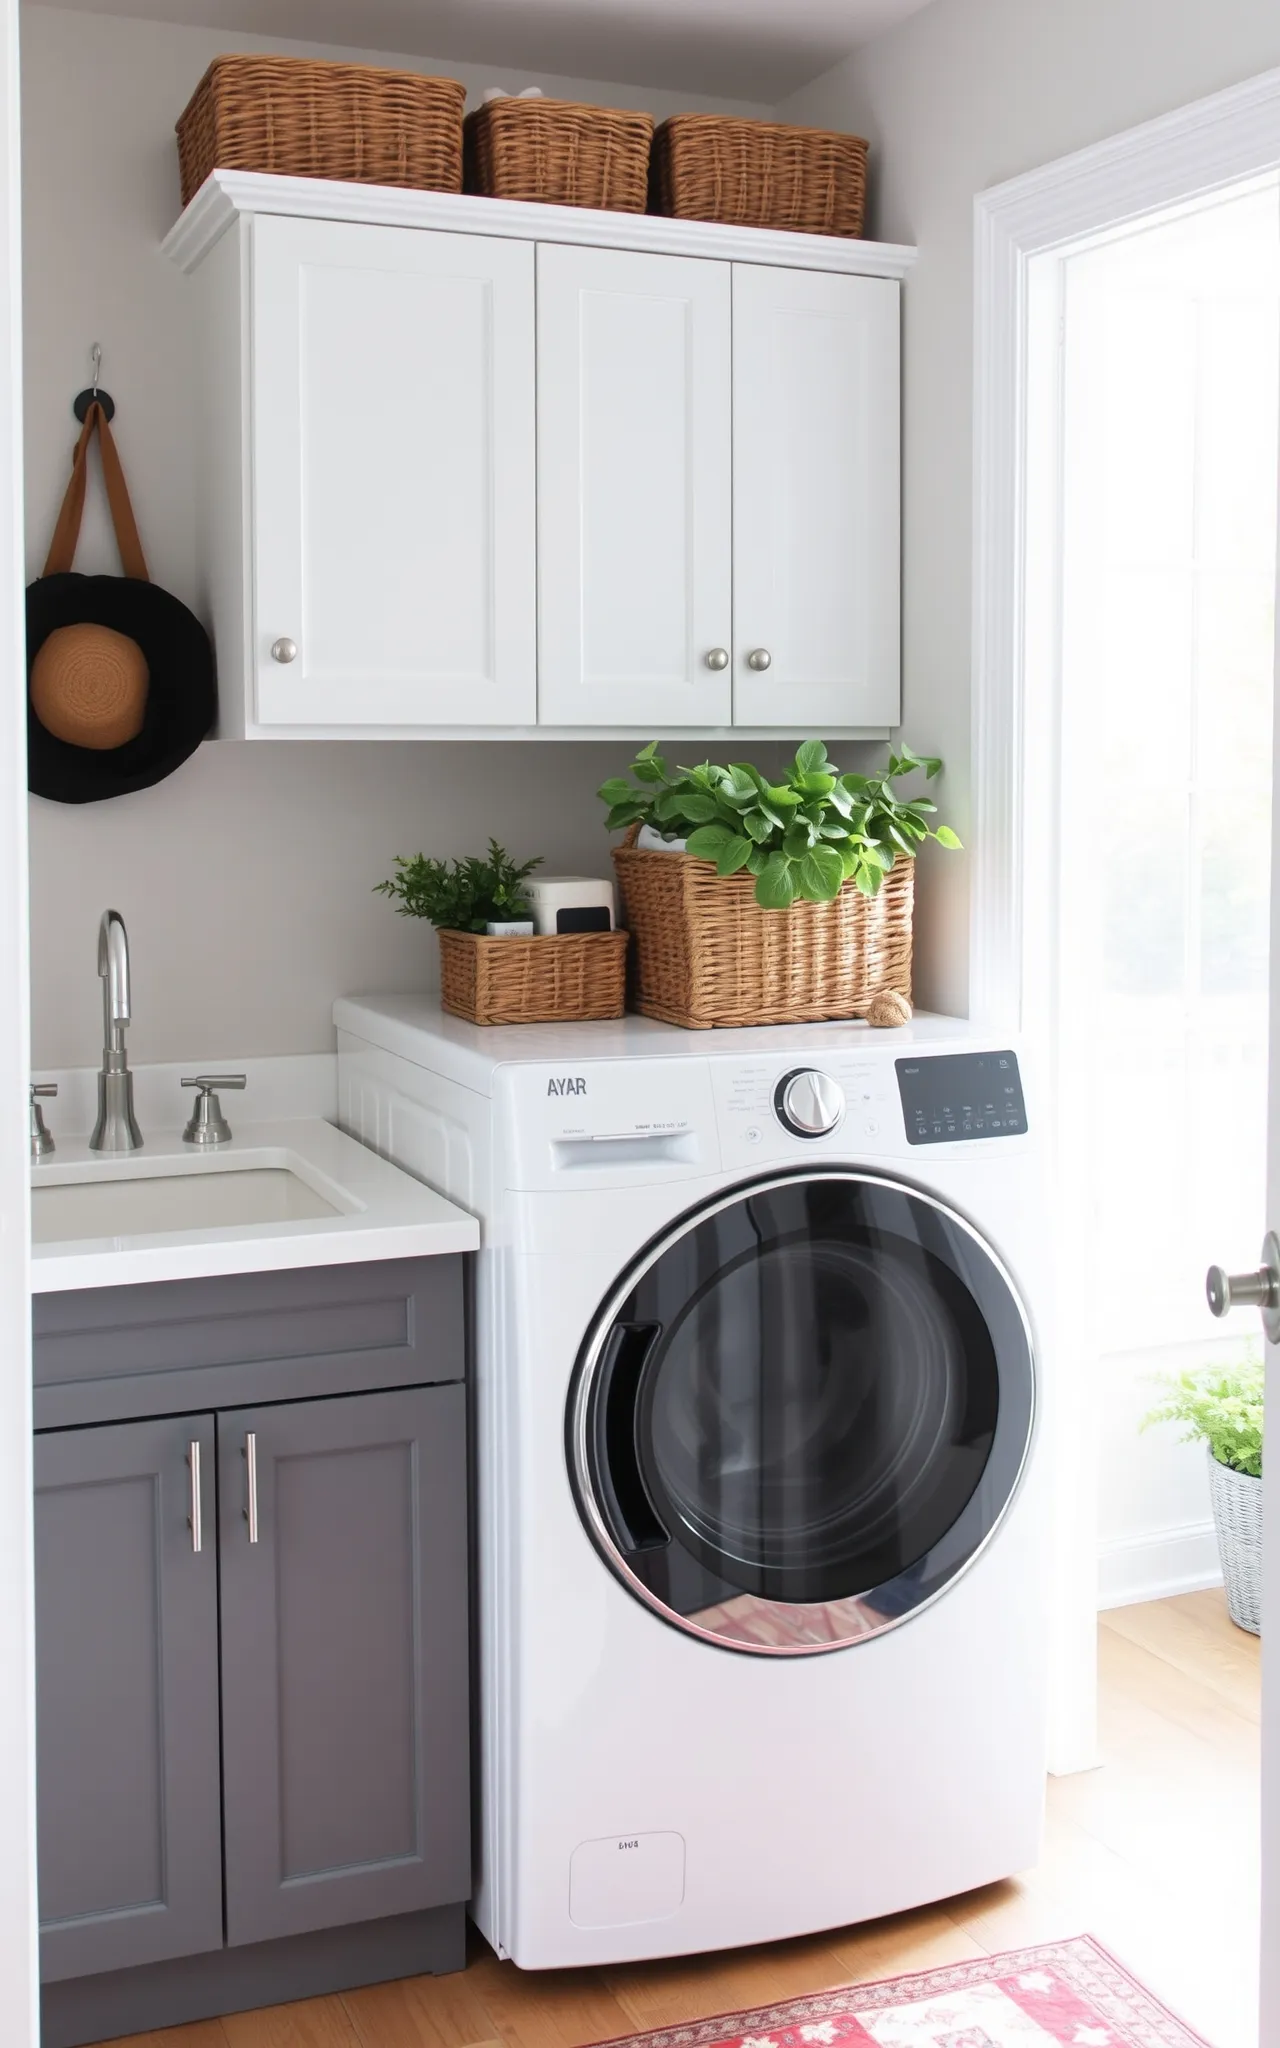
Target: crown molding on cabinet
[{"x": 225, "y": 195}]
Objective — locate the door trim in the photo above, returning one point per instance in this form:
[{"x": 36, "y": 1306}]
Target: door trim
[
  {"x": 19, "y": 1970},
  {"x": 1020, "y": 228}
]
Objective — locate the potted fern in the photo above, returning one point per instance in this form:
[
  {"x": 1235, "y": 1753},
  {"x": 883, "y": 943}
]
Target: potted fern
[
  {"x": 505, "y": 977},
  {"x": 752, "y": 900},
  {"x": 1221, "y": 1407}
]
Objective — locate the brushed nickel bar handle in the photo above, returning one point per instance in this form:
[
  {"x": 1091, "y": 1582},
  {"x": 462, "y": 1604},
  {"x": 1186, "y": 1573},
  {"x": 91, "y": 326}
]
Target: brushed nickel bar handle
[
  {"x": 251, "y": 1469},
  {"x": 195, "y": 1519}
]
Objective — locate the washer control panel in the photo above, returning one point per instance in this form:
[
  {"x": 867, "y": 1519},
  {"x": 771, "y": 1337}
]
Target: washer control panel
[
  {"x": 957, "y": 1096},
  {"x": 775, "y": 1108},
  {"x": 808, "y": 1103}
]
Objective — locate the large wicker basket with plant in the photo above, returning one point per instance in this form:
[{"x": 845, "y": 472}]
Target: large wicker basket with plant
[
  {"x": 755, "y": 902},
  {"x": 1221, "y": 1406},
  {"x": 515, "y": 978}
]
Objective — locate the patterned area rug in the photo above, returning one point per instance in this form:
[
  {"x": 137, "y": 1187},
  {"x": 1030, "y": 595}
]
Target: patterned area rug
[{"x": 1065, "y": 1994}]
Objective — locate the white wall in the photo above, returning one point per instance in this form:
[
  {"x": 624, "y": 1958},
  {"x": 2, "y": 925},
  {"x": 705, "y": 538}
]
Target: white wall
[
  {"x": 245, "y": 878},
  {"x": 1155, "y": 1524},
  {"x": 965, "y": 94}
]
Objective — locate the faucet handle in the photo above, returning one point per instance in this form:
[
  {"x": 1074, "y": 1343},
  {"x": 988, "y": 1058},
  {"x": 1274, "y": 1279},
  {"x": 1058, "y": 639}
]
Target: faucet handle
[
  {"x": 41, "y": 1137},
  {"x": 208, "y": 1126}
]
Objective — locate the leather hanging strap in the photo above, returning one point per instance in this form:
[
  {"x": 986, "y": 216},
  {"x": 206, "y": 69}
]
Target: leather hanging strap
[{"x": 62, "y": 548}]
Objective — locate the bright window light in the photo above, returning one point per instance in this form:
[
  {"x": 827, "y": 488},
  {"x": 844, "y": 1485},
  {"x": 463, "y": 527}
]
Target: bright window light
[{"x": 1171, "y": 367}]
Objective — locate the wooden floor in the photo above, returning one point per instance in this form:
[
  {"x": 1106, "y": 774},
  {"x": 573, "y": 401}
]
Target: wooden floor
[{"x": 1155, "y": 1853}]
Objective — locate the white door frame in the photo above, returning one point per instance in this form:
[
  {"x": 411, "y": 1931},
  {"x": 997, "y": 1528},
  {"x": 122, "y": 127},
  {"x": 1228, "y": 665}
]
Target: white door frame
[
  {"x": 18, "y": 1968},
  {"x": 1214, "y": 144}
]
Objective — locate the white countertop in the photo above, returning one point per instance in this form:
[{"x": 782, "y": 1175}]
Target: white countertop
[{"x": 382, "y": 1212}]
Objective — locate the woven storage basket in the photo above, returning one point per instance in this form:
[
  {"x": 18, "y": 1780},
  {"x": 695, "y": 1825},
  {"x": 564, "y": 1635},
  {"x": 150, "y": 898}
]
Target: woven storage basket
[
  {"x": 307, "y": 119},
  {"x": 705, "y": 953},
  {"x": 759, "y": 174},
  {"x": 533, "y": 981},
  {"x": 1237, "y": 1517},
  {"x": 559, "y": 152}
]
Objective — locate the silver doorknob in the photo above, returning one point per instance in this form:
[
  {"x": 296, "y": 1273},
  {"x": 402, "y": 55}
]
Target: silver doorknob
[
  {"x": 759, "y": 658},
  {"x": 284, "y": 650},
  {"x": 1260, "y": 1289},
  {"x": 718, "y": 658},
  {"x": 807, "y": 1103}
]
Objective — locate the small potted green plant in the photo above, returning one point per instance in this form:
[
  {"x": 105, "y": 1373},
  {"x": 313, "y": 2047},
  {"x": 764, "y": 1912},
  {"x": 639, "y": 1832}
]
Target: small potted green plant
[
  {"x": 1221, "y": 1407},
  {"x": 491, "y": 974},
  {"x": 462, "y": 895},
  {"x": 835, "y": 851}
]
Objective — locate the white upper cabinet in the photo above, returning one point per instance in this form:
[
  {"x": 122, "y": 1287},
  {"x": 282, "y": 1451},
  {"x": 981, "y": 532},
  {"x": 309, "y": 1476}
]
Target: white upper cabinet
[
  {"x": 475, "y": 467},
  {"x": 392, "y": 414},
  {"x": 635, "y": 576},
  {"x": 815, "y": 500}
]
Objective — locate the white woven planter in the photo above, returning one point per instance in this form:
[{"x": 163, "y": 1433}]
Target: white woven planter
[{"x": 1237, "y": 1517}]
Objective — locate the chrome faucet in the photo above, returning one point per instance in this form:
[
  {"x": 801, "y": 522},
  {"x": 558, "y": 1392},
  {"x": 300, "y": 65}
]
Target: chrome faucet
[{"x": 117, "y": 1127}]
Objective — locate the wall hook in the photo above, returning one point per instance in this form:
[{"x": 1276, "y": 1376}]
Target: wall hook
[{"x": 94, "y": 395}]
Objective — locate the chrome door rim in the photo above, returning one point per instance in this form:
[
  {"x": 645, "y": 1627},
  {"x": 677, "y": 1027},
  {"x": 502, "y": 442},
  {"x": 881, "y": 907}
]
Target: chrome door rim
[{"x": 855, "y": 1619}]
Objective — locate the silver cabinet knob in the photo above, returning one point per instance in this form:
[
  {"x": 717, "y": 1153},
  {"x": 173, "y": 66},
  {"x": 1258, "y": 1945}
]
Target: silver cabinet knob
[
  {"x": 1260, "y": 1289},
  {"x": 808, "y": 1104},
  {"x": 718, "y": 658},
  {"x": 284, "y": 650},
  {"x": 759, "y": 658}
]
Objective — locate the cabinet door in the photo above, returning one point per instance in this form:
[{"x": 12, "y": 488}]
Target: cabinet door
[
  {"x": 130, "y": 1853},
  {"x": 815, "y": 499},
  {"x": 634, "y": 489},
  {"x": 393, "y": 485},
  {"x": 344, "y": 1660}
]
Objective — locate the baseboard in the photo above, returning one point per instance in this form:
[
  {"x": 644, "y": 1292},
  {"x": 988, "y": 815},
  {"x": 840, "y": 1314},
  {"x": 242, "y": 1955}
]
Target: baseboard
[
  {"x": 159, "y": 1995},
  {"x": 1156, "y": 1566}
]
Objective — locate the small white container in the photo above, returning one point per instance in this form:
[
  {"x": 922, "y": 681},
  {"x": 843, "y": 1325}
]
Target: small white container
[
  {"x": 570, "y": 903},
  {"x": 519, "y": 928}
]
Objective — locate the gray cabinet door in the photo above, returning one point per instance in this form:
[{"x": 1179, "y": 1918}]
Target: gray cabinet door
[
  {"x": 344, "y": 1660},
  {"x": 127, "y": 1697}
]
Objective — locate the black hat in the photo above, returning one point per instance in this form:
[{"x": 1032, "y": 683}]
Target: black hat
[{"x": 120, "y": 686}]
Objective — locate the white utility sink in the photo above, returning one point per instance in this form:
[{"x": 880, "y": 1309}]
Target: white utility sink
[
  {"x": 195, "y": 1201},
  {"x": 277, "y": 1195}
]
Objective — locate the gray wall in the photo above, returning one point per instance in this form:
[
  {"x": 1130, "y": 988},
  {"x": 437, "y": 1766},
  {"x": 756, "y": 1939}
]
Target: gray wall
[
  {"x": 245, "y": 878},
  {"x": 965, "y": 94}
]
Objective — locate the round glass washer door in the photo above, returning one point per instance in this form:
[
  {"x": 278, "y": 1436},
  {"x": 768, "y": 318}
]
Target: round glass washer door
[{"x": 803, "y": 1413}]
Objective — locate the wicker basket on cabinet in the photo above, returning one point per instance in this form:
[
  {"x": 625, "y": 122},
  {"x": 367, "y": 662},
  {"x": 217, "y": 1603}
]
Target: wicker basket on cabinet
[
  {"x": 564, "y": 980},
  {"x": 759, "y": 174},
  {"x": 705, "y": 953},
  {"x": 559, "y": 153},
  {"x": 304, "y": 118}
]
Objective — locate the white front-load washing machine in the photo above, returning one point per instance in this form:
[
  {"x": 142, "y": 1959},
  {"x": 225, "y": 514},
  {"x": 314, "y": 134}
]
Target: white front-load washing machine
[{"x": 759, "y": 1492}]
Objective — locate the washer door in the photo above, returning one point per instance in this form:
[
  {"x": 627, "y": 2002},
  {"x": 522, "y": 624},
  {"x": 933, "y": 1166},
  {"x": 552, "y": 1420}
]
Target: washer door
[{"x": 804, "y": 1412}]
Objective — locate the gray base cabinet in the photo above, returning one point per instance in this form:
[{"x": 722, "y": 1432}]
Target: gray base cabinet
[
  {"x": 130, "y": 1855},
  {"x": 344, "y": 1660},
  {"x": 252, "y": 1642}
]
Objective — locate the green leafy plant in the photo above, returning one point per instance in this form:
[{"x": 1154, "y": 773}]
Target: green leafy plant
[
  {"x": 805, "y": 836},
  {"x": 1220, "y": 1406},
  {"x": 460, "y": 895}
]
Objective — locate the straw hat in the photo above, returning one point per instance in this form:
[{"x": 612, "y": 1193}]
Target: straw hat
[
  {"x": 89, "y": 686},
  {"x": 120, "y": 673}
]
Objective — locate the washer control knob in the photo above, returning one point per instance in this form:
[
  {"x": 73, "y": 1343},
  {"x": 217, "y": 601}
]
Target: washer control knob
[{"x": 809, "y": 1104}]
